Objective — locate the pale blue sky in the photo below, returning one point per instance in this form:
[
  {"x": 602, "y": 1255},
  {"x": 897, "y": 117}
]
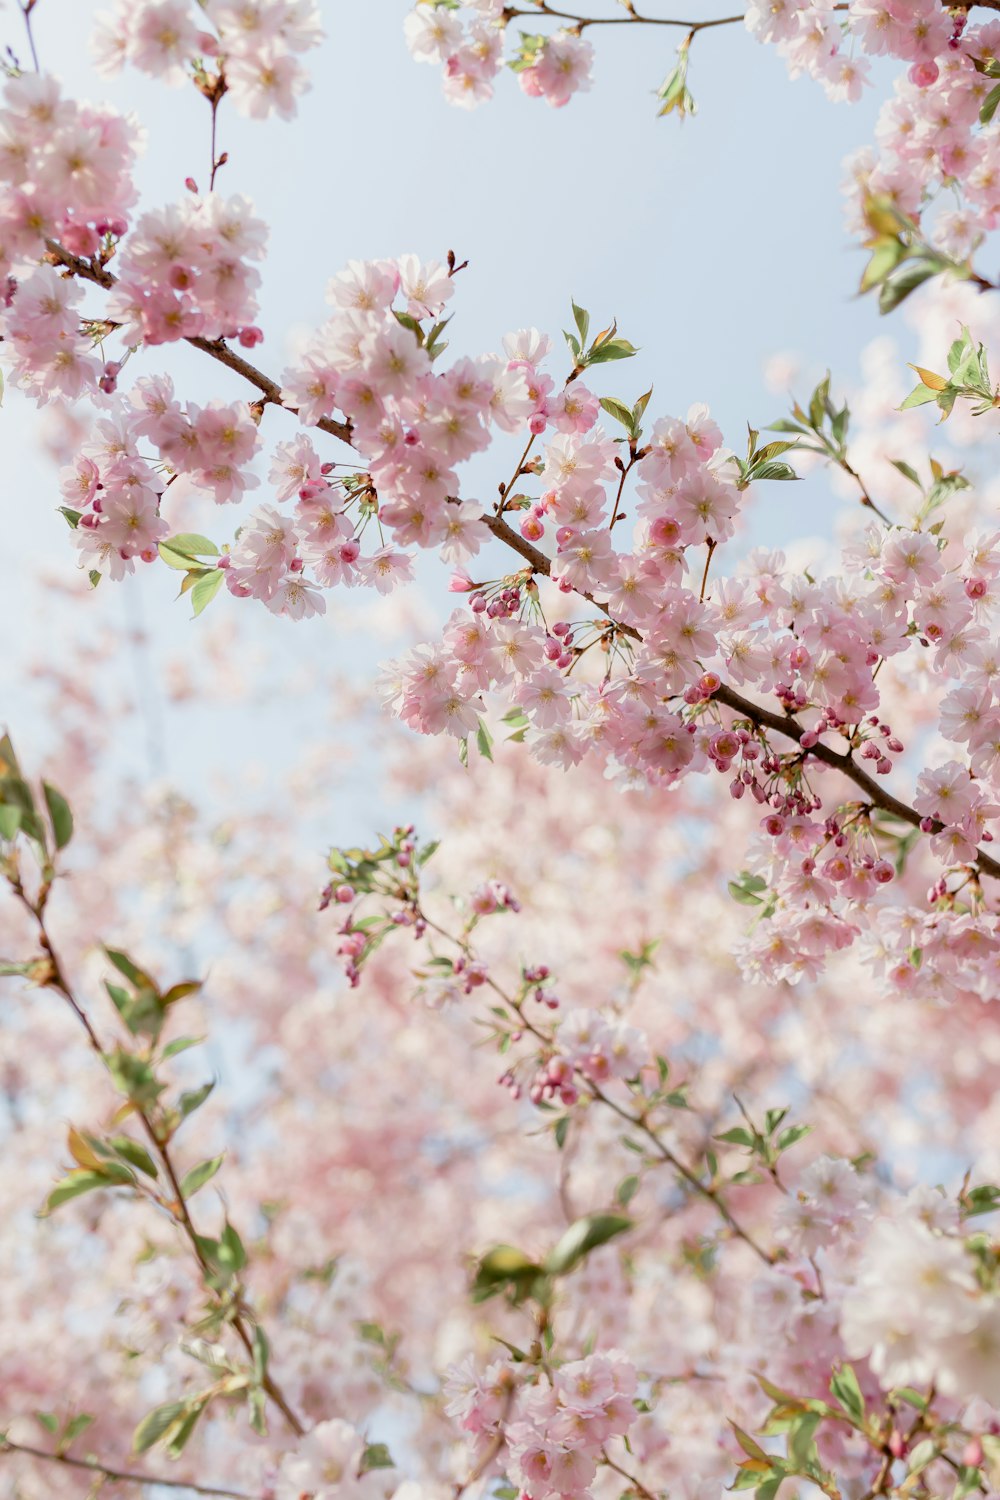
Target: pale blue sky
[{"x": 715, "y": 243}]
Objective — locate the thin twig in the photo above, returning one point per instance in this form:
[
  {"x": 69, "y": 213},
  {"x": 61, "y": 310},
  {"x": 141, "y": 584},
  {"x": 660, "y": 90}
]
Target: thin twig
[
  {"x": 56, "y": 980},
  {"x": 27, "y": 6},
  {"x": 119, "y": 1476},
  {"x": 635, "y": 1484}
]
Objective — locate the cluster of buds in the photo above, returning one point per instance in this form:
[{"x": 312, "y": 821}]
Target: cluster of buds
[
  {"x": 852, "y": 854},
  {"x": 705, "y": 688},
  {"x": 558, "y": 646},
  {"x": 471, "y": 972},
  {"x": 880, "y": 745},
  {"x": 535, "y": 975},
  {"x": 554, "y": 1080},
  {"x": 504, "y": 604}
]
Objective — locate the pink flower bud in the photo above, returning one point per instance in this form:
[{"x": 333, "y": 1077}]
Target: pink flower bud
[{"x": 923, "y": 74}]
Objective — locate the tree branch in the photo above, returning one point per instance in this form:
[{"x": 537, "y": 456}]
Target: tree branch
[
  {"x": 539, "y": 562},
  {"x": 120, "y": 1476},
  {"x": 57, "y": 981},
  {"x": 218, "y": 349}
]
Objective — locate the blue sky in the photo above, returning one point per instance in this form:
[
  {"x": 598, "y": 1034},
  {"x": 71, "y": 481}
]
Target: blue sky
[{"x": 714, "y": 242}]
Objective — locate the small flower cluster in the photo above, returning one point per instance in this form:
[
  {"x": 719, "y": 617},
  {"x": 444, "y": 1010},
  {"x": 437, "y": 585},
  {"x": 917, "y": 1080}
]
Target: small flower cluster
[
  {"x": 555, "y": 1433},
  {"x": 185, "y": 272},
  {"x": 116, "y": 492},
  {"x": 328, "y": 1464},
  {"x": 917, "y": 1310},
  {"x": 553, "y": 68},
  {"x": 65, "y": 172},
  {"x": 255, "y": 46}
]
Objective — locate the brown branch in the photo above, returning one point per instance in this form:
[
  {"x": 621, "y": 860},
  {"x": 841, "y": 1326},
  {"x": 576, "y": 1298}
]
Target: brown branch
[
  {"x": 56, "y": 980},
  {"x": 634, "y": 1484},
  {"x": 691, "y": 1178},
  {"x": 539, "y": 562},
  {"x": 218, "y": 349},
  {"x": 632, "y": 18},
  {"x": 119, "y": 1476}
]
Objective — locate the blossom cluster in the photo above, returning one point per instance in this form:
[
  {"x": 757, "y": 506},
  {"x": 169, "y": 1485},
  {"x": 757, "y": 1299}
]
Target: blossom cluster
[
  {"x": 553, "y": 68},
  {"x": 555, "y": 1433},
  {"x": 929, "y": 137},
  {"x": 65, "y": 172},
  {"x": 254, "y": 46},
  {"x": 114, "y": 492},
  {"x": 186, "y": 273}
]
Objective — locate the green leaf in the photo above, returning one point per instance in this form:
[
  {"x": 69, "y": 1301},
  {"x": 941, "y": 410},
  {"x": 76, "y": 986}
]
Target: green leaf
[
  {"x": 627, "y": 1190},
  {"x": 158, "y": 1422},
  {"x": 984, "y": 1199},
  {"x": 484, "y": 740},
  {"x": 989, "y": 106},
  {"x": 791, "y": 1135},
  {"x": 376, "y": 1456},
  {"x": 844, "y": 1386},
  {"x": 181, "y": 991},
  {"x": 801, "y": 1447},
  {"x": 47, "y": 1420},
  {"x": 10, "y": 820},
  {"x": 561, "y": 1127},
  {"x": 906, "y": 471},
  {"x": 231, "y": 1250},
  {"x": 921, "y": 395},
  {"x": 73, "y": 1430},
  {"x": 582, "y": 321},
  {"x": 72, "y": 516},
  {"x": 612, "y": 349},
  {"x": 406, "y": 320},
  {"x": 59, "y": 815},
  {"x": 885, "y": 258},
  {"x": 81, "y": 1181},
  {"x": 749, "y": 1445},
  {"x": 134, "y": 1154},
  {"x": 673, "y": 92},
  {"x": 131, "y": 970},
  {"x": 920, "y": 1456},
  {"x": 770, "y": 470},
  {"x": 639, "y": 409},
  {"x": 504, "y": 1266},
  {"x": 619, "y": 411},
  {"x": 193, "y": 1099},
  {"x": 181, "y": 1044},
  {"x": 905, "y": 279},
  {"x": 178, "y": 1438},
  {"x": 580, "y": 1238},
  {"x": 184, "y": 550},
  {"x": 745, "y": 890},
  {"x": 738, "y": 1136},
  {"x": 261, "y": 1354},
  {"x": 198, "y": 1176},
  {"x": 205, "y": 591}
]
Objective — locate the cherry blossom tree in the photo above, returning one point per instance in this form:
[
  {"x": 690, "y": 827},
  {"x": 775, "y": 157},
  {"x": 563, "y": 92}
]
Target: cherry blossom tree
[{"x": 632, "y": 1130}]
